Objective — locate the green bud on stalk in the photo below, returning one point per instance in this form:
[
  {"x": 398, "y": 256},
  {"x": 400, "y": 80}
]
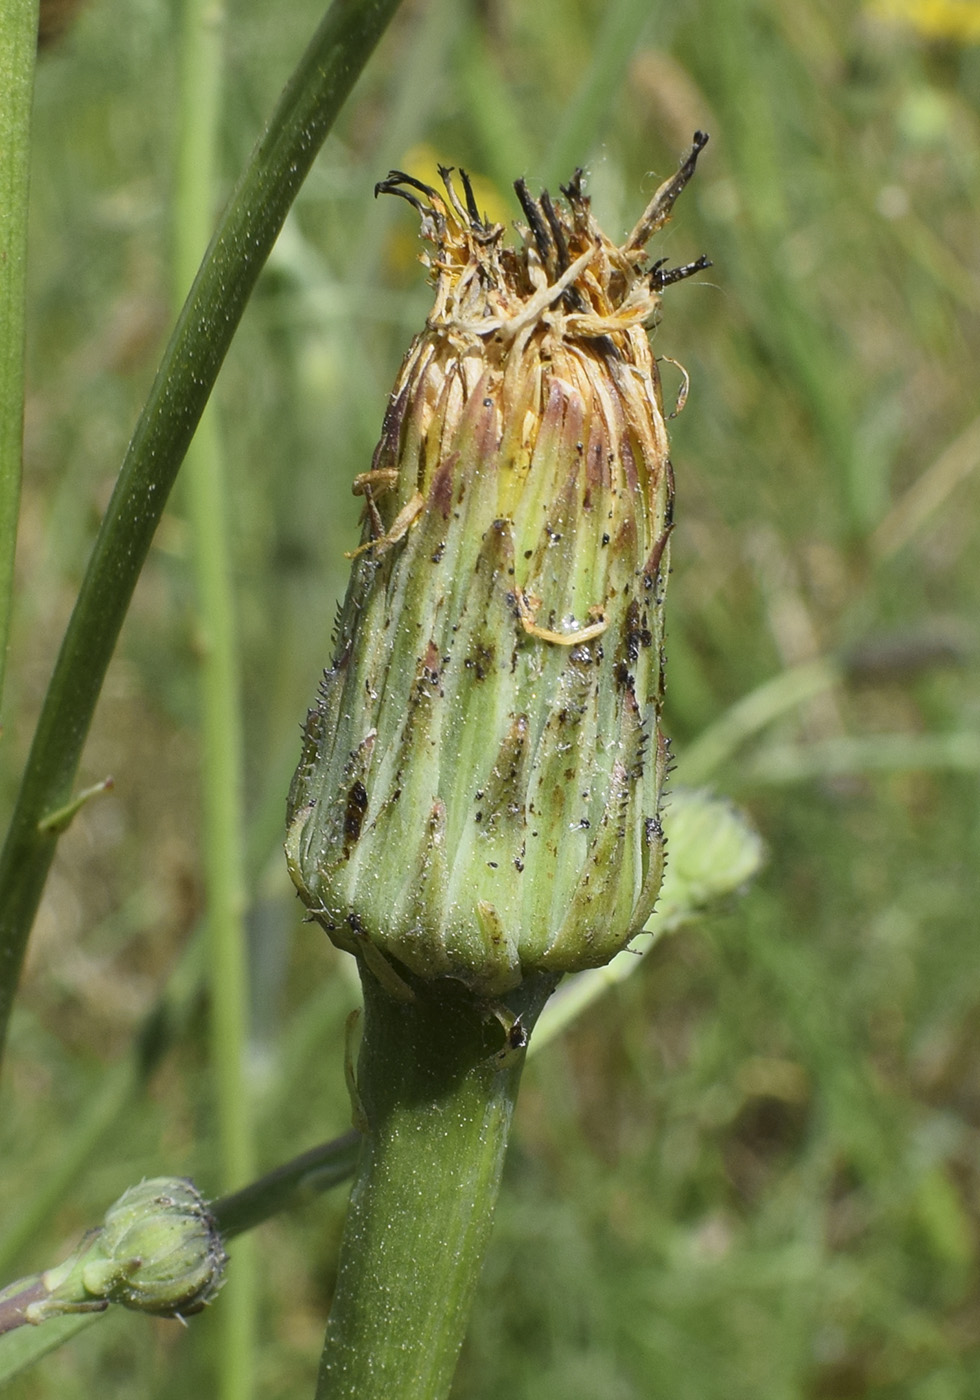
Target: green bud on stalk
[
  {"x": 479, "y": 790},
  {"x": 158, "y": 1251}
]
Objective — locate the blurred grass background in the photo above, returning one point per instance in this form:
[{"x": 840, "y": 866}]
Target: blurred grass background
[{"x": 754, "y": 1170}]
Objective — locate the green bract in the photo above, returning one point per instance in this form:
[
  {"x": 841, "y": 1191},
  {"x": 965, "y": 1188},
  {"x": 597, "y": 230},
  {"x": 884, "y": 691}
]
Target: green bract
[{"x": 479, "y": 790}]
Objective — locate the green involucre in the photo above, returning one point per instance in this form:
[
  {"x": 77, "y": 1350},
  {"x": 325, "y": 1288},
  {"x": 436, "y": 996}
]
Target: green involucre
[{"x": 479, "y": 791}]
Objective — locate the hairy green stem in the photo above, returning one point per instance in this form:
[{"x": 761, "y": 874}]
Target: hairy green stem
[
  {"x": 245, "y": 235},
  {"x": 437, "y": 1081},
  {"x": 18, "y": 46}
]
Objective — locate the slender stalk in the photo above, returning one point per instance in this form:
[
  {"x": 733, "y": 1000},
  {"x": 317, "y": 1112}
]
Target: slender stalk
[
  {"x": 245, "y": 235},
  {"x": 15, "y": 1301},
  {"x": 18, "y": 46},
  {"x": 222, "y": 784},
  {"x": 296, "y": 1181},
  {"x": 437, "y": 1098}
]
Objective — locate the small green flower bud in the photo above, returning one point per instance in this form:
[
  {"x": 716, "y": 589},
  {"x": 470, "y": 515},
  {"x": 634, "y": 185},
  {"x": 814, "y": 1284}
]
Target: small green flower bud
[
  {"x": 479, "y": 790},
  {"x": 159, "y": 1251}
]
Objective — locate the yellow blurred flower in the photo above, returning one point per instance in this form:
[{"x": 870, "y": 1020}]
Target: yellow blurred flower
[{"x": 958, "y": 20}]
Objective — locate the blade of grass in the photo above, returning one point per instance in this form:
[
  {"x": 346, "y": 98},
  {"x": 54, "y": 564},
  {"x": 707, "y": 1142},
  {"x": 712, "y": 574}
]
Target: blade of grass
[
  {"x": 929, "y": 492},
  {"x": 18, "y": 46},
  {"x": 247, "y": 230},
  {"x": 621, "y": 30},
  {"x": 732, "y": 50},
  {"x": 858, "y": 755},
  {"x": 753, "y": 713},
  {"x": 222, "y": 782}
]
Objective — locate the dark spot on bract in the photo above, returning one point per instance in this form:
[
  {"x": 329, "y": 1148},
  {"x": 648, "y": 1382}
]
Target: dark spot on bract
[{"x": 357, "y": 804}]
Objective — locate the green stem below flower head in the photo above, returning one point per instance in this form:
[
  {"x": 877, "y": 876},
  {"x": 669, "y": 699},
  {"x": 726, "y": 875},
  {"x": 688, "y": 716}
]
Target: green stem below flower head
[{"x": 437, "y": 1081}]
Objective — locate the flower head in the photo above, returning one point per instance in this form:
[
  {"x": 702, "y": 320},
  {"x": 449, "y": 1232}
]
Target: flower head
[{"x": 479, "y": 791}]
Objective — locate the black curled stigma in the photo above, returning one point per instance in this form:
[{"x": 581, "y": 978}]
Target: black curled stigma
[
  {"x": 661, "y": 276},
  {"x": 548, "y": 231},
  {"x": 394, "y": 182},
  {"x": 471, "y": 205},
  {"x": 545, "y": 224},
  {"x": 657, "y": 214},
  {"x": 535, "y": 220},
  {"x": 405, "y": 186}
]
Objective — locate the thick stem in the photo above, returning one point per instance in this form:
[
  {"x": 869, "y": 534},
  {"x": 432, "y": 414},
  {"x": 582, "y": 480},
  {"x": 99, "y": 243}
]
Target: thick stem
[{"x": 437, "y": 1092}]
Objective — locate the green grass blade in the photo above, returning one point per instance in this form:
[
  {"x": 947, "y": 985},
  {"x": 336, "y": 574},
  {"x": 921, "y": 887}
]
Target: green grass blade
[
  {"x": 619, "y": 34},
  {"x": 18, "y": 45},
  {"x": 753, "y": 713},
  {"x": 222, "y": 780},
  {"x": 21, "y": 1349}
]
